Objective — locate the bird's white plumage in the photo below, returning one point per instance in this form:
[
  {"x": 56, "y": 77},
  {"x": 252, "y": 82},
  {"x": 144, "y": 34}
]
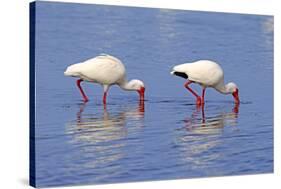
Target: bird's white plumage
[
  {"x": 204, "y": 72},
  {"x": 208, "y": 74},
  {"x": 104, "y": 69}
]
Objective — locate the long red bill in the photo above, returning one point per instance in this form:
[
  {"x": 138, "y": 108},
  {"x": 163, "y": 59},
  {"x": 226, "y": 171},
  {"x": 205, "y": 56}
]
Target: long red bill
[
  {"x": 141, "y": 93},
  {"x": 236, "y": 97}
]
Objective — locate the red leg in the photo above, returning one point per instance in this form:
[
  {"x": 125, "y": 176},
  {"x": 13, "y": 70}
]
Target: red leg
[
  {"x": 85, "y": 98},
  {"x": 203, "y": 113},
  {"x": 104, "y": 107},
  {"x": 104, "y": 97},
  {"x": 203, "y": 96},
  {"x": 198, "y": 98}
]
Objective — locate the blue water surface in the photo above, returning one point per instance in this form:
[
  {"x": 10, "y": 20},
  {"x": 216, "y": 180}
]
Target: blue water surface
[{"x": 167, "y": 137}]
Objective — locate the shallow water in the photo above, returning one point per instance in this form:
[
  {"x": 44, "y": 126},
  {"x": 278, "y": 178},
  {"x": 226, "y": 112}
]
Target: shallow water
[{"x": 168, "y": 136}]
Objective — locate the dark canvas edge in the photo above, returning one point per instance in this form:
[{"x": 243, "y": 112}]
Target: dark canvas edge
[{"x": 32, "y": 166}]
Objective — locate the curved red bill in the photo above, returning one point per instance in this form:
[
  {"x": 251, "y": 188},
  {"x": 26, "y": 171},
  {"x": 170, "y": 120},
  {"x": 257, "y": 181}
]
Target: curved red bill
[
  {"x": 141, "y": 93},
  {"x": 236, "y": 96}
]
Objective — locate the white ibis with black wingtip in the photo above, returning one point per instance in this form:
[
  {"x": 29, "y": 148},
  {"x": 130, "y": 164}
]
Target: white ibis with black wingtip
[
  {"x": 106, "y": 70},
  {"x": 206, "y": 73}
]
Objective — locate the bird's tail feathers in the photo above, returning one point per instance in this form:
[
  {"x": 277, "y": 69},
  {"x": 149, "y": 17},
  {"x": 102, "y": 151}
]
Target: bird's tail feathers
[{"x": 72, "y": 70}]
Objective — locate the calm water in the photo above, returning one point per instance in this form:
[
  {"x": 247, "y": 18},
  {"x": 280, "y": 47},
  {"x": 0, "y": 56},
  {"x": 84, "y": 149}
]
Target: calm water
[{"x": 167, "y": 137}]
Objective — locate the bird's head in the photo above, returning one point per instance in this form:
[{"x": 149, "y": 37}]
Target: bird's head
[
  {"x": 138, "y": 86},
  {"x": 233, "y": 89}
]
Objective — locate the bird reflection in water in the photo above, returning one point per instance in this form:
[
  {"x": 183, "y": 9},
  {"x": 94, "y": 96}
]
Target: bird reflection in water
[
  {"x": 100, "y": 139},
  {"x": 210, "y": 124},
  {"x": 198, "y": 146}
]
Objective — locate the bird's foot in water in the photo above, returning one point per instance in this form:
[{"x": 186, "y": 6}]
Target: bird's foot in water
[
  {"x": 85, "y": 100},
  {"x": 199, "y": 101}
]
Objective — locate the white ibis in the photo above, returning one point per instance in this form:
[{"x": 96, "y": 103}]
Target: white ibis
[
  {"x": 106, "y": 70},
  {"x": 207, "y": 74}
]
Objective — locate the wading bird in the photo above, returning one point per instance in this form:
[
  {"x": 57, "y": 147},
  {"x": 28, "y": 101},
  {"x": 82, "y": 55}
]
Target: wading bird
[
  {"x": 207, "y": 74},
  {"x": 106, "y": 70}
]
